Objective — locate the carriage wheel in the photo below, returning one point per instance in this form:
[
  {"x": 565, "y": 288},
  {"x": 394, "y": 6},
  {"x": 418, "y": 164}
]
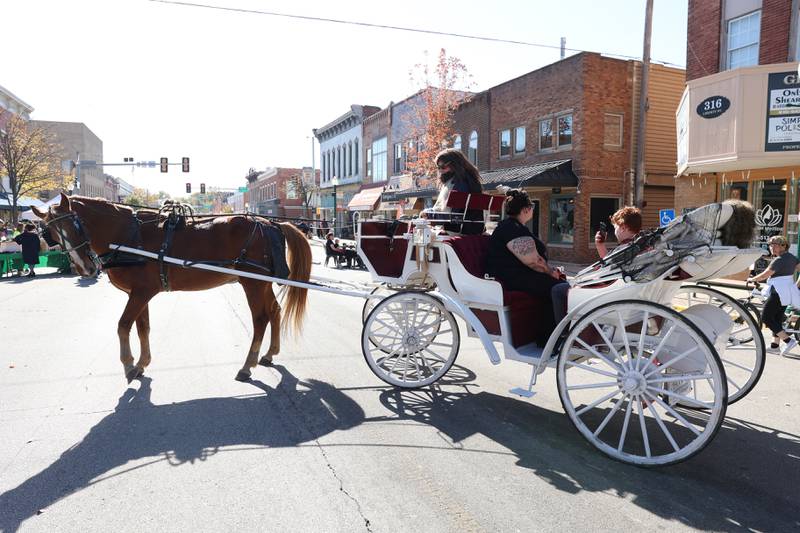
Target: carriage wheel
[
  {"x": 370, "y": 303},
  {"x": 745, "y": 354},
  {"x": 623, "y": 372},
  {"x": 410, "y": 340}
]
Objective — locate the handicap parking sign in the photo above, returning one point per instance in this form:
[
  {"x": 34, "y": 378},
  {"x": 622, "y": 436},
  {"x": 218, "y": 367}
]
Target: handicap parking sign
[{"x": 665, "y": 216}]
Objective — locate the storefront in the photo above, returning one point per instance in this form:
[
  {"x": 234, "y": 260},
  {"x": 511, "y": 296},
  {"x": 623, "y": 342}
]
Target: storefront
[
  {"x": 739, "y": 138},
  {"x": 363, "y": 205}
]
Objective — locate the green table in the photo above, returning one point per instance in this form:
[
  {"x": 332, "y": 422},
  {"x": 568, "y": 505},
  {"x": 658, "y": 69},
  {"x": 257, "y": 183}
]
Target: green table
[{"x": 11, "y": 262}]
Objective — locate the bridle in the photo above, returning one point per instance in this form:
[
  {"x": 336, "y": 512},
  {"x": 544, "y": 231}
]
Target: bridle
[{"x": 65, "y": 242}]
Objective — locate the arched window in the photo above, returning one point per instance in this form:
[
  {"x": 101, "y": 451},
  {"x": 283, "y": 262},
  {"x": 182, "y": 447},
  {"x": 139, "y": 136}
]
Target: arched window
[
  {"x": 338, "y": 171},
  {"x": 350, "y": 159},
  {"x": 457, "y": 142},
  {"x": 472, "y": 154}
]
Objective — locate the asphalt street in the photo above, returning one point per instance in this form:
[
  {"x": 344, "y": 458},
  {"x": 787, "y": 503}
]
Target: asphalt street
[{"x": 318, "y": 443}]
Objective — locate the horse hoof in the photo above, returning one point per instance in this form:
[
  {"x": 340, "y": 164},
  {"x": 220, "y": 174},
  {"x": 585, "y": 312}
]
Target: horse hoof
[
  {"x": 243, "y": 376},
  {"x": 133, "y": 373},
  {"x": 265, "y": 361}
]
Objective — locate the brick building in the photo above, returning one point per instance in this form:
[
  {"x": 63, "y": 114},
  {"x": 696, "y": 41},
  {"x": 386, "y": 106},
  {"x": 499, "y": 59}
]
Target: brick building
[
  {"x": 273, "y": 192},
  {"x": 738, "y": 123}
]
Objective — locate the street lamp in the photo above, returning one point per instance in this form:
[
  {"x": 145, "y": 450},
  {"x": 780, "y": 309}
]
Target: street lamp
[{"x": 335, "y": 182}]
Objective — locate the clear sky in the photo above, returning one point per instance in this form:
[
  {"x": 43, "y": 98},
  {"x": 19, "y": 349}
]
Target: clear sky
[{"x": 234, "y": 90}]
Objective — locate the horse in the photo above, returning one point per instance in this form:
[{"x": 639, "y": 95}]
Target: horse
[{"x": 86, "y": 227}]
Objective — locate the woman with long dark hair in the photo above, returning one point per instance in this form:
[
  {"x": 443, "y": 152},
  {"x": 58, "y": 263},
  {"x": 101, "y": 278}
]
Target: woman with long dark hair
[
  {"x": 518, "y": 259},
  {"x": 456, "y": 173}
]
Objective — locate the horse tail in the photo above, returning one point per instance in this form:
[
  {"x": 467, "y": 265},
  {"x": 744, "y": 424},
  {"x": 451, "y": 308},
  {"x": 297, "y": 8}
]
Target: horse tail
[{"x": 300, "y": 270}]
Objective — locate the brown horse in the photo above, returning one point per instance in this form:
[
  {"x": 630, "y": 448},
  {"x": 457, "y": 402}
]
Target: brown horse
[{"x": 89, "y": 225}]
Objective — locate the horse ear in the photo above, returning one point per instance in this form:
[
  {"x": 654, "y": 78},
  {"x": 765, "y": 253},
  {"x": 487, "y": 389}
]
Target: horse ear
[
  {"x": 64, "y": 201},
  {"x": 39, "y": 213}
]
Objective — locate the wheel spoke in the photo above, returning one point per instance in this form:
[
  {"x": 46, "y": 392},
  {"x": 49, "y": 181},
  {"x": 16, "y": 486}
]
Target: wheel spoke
[
  {"x": 731, "y": 363},
  {"x": 590, "y": 369},
  {"x": 435, "y": 355},
  {"x": 669, "y": 378},
  {"x": 608, "y": 342},
  {"x": 608, "y": 417},
  {"x": 598, "y": 354},
  {"x": 624, "y": 336},
  {"x": 738, "y": 388},
  {"x": 598, "y": 402},
  {"x": 594, "y": 385},
  {"x": 663, "y": 427},
  {"x": 674, "y": 413},
  {"x": 642, "y": 335},
  {"x": 660, "y": 345},
  {"x": 672, "y": 361},
  {"x": 624, "y": 431},
  {"x": 683, "y": 398},
  {"x": 645, "y": 437}
]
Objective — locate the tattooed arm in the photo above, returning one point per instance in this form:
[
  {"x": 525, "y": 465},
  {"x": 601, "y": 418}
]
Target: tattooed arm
[{"x": 524, "y": 248}]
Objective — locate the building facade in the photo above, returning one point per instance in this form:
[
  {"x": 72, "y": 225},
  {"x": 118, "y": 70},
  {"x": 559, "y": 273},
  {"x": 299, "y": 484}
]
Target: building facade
[
  {"x": 738, "y": 122},
  {"x": 341, "y": 162},
  {"x": 78, "y": 142},
  {"x": 274, "y": 192},
  {"x": 10, "y": 104}
]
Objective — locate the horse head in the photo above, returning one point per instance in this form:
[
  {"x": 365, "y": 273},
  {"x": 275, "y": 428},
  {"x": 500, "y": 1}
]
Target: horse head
[{"x": 68, "y": 230}]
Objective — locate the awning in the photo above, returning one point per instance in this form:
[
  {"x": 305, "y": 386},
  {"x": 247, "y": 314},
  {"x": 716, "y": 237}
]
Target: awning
[
  {"x": 549, "y": 174},
  {"x": 393, "y": 196},
  {"x": 388, "y": 206},
  {"x": 365, "y": 200}
]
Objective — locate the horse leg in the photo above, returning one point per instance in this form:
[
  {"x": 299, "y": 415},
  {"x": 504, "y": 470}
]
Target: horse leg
[
  {"x": 136, "y": 302},
  {"x": 143, "y": 330},
  {"x": 254, "y": 291},
  {"x": 273, "y": 309}
]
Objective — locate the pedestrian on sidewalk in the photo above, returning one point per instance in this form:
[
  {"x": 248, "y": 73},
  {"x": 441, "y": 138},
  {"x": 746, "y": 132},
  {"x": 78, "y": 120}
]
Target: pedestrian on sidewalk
[
  {"x": 780, "y": 291},
  {"x": 29, "y": 240}
]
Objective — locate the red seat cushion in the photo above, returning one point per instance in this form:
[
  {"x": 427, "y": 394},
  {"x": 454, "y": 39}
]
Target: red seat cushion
[{"x": 523, "y": 308}]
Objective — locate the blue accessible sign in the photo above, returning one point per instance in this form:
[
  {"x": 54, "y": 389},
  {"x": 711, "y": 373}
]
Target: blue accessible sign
[{"x": 665, "y": 216}]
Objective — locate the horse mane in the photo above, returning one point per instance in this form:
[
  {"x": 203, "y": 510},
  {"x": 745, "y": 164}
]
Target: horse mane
[{"x": 740, "y": 229}]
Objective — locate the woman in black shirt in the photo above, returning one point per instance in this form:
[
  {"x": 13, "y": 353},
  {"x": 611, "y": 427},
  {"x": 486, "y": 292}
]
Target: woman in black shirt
[{"x": 518, "y": 259}]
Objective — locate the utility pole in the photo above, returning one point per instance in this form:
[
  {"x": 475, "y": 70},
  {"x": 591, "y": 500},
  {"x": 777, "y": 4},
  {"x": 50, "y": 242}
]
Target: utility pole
[{"x": 638, "y": 196}]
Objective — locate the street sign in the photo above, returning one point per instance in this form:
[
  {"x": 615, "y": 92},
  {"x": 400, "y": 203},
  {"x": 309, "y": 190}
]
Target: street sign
[
  {"x": 665, "y": 216},
  {"x": 242, "y": 189}
]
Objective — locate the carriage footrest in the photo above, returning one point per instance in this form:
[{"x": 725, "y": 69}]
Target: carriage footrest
[{"x": 525, "y": 393}]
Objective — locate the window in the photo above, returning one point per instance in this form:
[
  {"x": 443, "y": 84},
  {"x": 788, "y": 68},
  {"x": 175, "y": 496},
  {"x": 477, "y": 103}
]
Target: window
[
  {"x": 562, "y": 220},
  {"x": 546, "y": 134},
  {"x": 519, "y": 140},
  {"x": 600, "y": 210},
  {"x": 398, "y": 158},
  {"x": 505, "y": 143},
  {"x": 369, "y": 161},
  {"x": 355, "y": 157},
  {"x": 457, "y": 142},
  {"x": 472, "y": 154},
  {"x": 743, "y": 36},
  {"x": 612, "y": 130},
  {"x": 349, "y": 159},
  {"x": 379, "y": 160},
  {"x": 564, "y": 130}
]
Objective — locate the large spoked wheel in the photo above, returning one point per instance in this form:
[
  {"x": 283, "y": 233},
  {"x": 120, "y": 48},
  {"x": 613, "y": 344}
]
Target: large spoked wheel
[
  {"x": 745, "y": 354},
  {"x": 410, "y": 340},
  {"x": 370, "y": 303},
  {"x": 624, "y": 372}
]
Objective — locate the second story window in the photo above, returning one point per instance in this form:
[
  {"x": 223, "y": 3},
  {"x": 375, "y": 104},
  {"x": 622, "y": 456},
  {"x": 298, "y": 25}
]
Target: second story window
[
  {"x": 564, "y": 130},
  {"x": 519, "y": 140},
  {"x": 398, "y": 158},
  {"x": 457, "y": 142},
  {"x": 505, "y": 143},
  {"x": 612, "y": 130},
  {"x": 743, "y": 36},
  {"x": 546, "y": 134},
  {"x": 472, "y": 153},
  {"x": 369, "y": 161},
  {"x": 379, "y": 162}
]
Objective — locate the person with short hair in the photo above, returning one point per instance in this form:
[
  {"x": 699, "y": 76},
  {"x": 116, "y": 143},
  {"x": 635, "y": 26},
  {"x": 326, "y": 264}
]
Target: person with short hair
[
  {"x": 29, "y": 240},
  {"x": 332, "y": 249},
  {"x": 780, "y": 291},
  {"x": 627, "y": 223},
  {"x": 518, "y": 259}
]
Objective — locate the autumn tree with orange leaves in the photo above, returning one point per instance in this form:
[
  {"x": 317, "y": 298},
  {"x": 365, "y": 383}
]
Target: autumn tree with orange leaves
[{"x": 430, "y": 120}]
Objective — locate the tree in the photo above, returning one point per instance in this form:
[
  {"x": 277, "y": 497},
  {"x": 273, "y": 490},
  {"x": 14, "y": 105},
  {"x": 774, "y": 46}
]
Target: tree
[
  {"x": 431, "y": 117},
  {"x": 30, "y": 159},
  {"x": 144, "y": 197}
]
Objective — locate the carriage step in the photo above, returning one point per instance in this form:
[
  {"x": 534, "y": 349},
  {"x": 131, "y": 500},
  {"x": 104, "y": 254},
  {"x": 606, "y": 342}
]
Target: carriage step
[{"x": 525, "y": 393}]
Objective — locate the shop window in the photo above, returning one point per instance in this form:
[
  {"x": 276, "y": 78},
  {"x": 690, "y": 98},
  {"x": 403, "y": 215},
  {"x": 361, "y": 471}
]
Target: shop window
[
  {"x": 769, "y": 200},
  {"x": 379, "y": 162},
  {"x": 564, "y": 131},
  {"x": 546, "y": 134},
  {"x": 600, "y": 210},
  {"x": 743, "y": 36},
  {"x": 562, "y": 220},
  {"x": 612, "y": 130},
  {"x": 519, "y": 140},
  {"x": 505, "y": 143}
]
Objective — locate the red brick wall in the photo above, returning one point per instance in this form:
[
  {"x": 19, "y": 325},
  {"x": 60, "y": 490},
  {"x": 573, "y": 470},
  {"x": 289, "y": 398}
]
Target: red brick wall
[
  {"x": 474, "y": 116},
  {"x": 776, "y": 17},
  {"x": 695, "y": 192},
  {"x": 702, "y": 36}
]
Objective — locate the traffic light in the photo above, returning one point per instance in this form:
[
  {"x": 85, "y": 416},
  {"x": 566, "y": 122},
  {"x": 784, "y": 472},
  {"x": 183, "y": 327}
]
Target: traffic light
[
  {"x": 164, "y": 164},
  {"x": 188, "y": 188},
  {"x": 202, "y": 188},
  {"x": 185, "y": 164}
]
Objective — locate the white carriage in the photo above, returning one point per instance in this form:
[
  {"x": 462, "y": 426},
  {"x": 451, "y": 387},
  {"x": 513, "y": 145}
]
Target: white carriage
[{"x": 641, "y": 378}]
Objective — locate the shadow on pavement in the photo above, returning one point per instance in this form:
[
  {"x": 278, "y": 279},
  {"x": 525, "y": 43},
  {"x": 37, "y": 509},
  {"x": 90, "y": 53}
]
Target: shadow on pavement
[
  {"x": 745, "y": 478},
  {"x": 292, "y": 413}
]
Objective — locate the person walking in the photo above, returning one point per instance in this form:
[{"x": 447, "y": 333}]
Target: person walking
[
  {"x": 780, "y": 291},
  {"x": 29, "y": 240}
]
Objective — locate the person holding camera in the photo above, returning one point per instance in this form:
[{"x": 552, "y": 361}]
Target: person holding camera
[{"x": 627, "y": 223}]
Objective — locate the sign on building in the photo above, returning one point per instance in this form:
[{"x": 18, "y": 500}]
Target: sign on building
[
  {"x": 783, "y": 112},
  {"x": 665, "y": 216}
]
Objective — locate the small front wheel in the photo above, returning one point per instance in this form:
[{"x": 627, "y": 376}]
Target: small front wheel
[{"x": 410, "y": 339}]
